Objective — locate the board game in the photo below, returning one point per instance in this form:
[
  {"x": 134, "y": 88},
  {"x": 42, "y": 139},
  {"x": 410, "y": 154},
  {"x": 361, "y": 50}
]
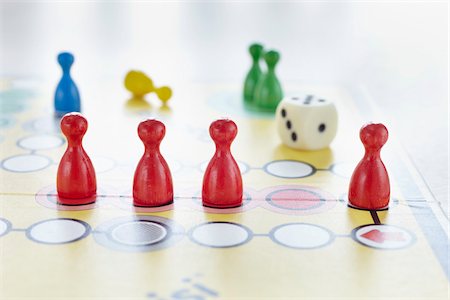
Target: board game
[{"x": 294, "y": 236}]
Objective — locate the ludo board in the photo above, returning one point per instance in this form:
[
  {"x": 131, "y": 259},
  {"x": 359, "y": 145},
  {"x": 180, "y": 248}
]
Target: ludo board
[{"x": 294, "y": 237}]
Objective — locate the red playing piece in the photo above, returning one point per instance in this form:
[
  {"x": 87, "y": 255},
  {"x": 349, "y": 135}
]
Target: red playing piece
[
  {"x": 369, "y": 186},
  {"x": 152, "y": 185},
  {"x": 222, "y": 182},
  {"x": 75, "y": 182}
]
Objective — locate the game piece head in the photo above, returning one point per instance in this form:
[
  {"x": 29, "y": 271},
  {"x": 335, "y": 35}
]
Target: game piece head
[
  {"x": 223, "y": 131},
  {"x": 256, "y": 51},
  {"x": 151, "y": 132},
  {"x": 373, "y": 136},
  {"x": 272, "y": 57},
  {"x": 65, "y": 60},
  {"x": 164, "y": 93},
  {"x": 74, "y": 126}
]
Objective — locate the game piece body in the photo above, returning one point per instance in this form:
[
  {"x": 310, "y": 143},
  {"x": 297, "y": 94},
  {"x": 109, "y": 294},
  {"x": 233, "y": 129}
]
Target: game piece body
[
  {"x": 268, "y": 92},
  {"x": 253, "y": 75},
  {"x": 138, "y": 83},
  {"x": 67, "y": 97},
  {"x": 76, "y": 182},
  {"x": 306, "y": 122},
  {"x": 222, "y": 182},
  {"x": 152, "y": 184},
  {"x": 369, "y": 186}
]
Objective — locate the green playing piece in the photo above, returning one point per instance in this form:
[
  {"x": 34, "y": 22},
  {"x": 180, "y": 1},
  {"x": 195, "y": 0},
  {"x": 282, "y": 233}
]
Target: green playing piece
[
  {"x": 268, "y": 92},
  {"x": 254, "y": 74}
]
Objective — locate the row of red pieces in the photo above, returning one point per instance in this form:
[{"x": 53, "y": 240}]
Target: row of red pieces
[
  {"x": 152, "y": 185},
  {"x": 222, "y": 182}
]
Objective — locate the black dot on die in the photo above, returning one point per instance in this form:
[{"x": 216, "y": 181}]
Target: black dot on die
[
  {"x": 283, "y": 113},
  {"x": 288, "y": 124},
  {"x": 294, "y": 136},
  {"x": 322, "y": 127}
]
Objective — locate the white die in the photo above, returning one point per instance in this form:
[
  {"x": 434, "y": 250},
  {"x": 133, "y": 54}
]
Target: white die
[{"x": 306, "y": 122}]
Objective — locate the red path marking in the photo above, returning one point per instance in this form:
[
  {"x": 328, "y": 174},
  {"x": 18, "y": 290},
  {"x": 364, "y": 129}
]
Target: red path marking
[{"x": 380, "y": 237}]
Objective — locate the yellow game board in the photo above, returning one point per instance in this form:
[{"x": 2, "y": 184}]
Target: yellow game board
[{"x": 294, "y": 237}]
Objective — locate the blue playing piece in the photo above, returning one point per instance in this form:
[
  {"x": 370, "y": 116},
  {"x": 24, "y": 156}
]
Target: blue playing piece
[{"x": 67, "y": 98}]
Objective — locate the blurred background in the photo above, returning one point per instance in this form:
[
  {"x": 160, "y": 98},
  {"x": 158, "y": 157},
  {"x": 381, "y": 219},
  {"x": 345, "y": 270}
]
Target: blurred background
[{"x": 398, "y": 51}]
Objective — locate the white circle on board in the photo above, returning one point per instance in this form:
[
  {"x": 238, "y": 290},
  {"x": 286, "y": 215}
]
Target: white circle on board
[
  {"x": 57, "y": 231},
  {"x": 139, "y": 233},
  {"x": 242, "y": 166},
  {"x": 289, "y": 169},
  {"x": 4, "y": 227},
  {"x": 174, "y": 165},
  {"x": 302, "y": 236},
  {"x": 383, "y": 236},
  {"x": 220, "y": 235},
  {"x": 102, "y": 164},
  {"x": 26, "y": 163},
  {"x": 41, "y": 142},
  {"x": 49, "y": 124},
  {"x": 343, "y": 169}
]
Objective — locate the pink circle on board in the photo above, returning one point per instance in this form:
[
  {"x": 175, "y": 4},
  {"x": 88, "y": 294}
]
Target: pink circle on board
[
  {"x": 195, "y": 202},
  {"x": 48, "y": 197},
  {"x": 297, "y": 199},
  {"x": 126, "y": 203}
]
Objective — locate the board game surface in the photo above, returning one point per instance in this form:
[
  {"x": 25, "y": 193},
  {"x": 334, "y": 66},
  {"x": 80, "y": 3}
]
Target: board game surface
[{"x": 294, "y": 237}]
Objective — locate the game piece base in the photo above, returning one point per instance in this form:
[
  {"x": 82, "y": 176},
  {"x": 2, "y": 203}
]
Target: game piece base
[
  {"x": 211, "y": 205},
  {"x": 160, "y": 205},
  {"x": 368, "y": 209},
  {"x": 76, "y": 201}
]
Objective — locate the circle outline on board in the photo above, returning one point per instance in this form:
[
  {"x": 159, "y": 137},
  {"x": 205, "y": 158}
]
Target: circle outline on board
[
  {"x": 245, "y": 228},
  {"x": 48, "y": 195},
  {"x": 248, "y": 202},
  {"x": 354, "y": 236},
  {"x": 332, "y": 169},
  {"x": 330, "y": 202},
  {"x": 267, "y": 165},
  {"x": 198, "y": 200},
  {"x": 102, "y": 233},
  {"x": 49, "y": 163},
  {"x": 331, "y": 234},
  {"x": 268, "y": 199},
  {"x": 61, "y": 142},
  {"x": 175, "y": 165},
  {"x": 126, "y": 202},
  {"x": 35, "y": 125},
  {"x": 96, "y": 159},
  {"x": 86, "y": 226},
  {"x": 8, "y": 226}
]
